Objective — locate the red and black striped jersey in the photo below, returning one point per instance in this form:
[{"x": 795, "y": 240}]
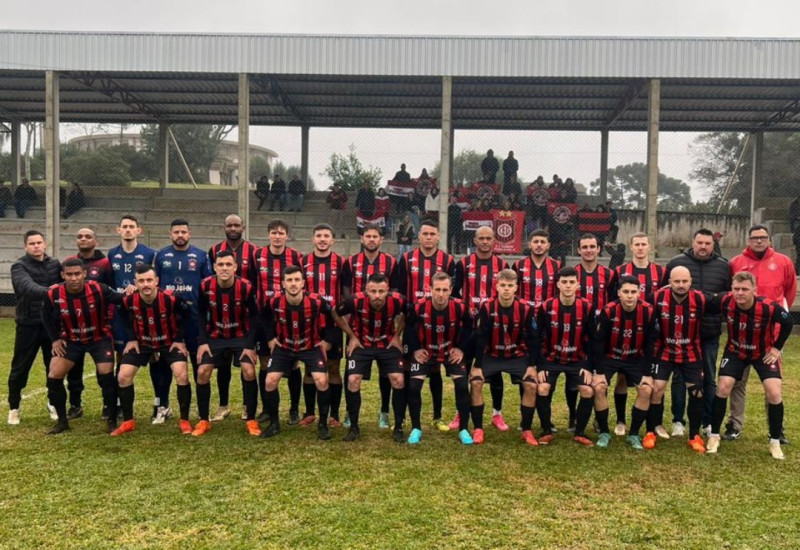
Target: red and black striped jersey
[
  {"x": 358, "y": 269},
  {"x": 226, "y": 313},
  {"x": 270, "y": 270},
  {"x": 624, "y": 335},
  {"x": 154, "y": 325},
  {"x": 536, "y": 283},
  {"x": 297, "y": 327},
  {"x": 438, "y": 330},
  {"x": 375, "y": 328},
  {"x": 594, "y": 286},
  {"x": 565, "y": 330},
  {"x": 415, "y": 272},
  {"x": 506, "y": 332},
  {"x": 476, "y": 280},
  {"x": 677, "y": 326},
  {"x": 650, "y": 278},
  {"x": 751, "y": 333},
  {"x": 323, "y": 276},
  {"x": 79, "y": 318},
  {"x": 245, "y": 255}
]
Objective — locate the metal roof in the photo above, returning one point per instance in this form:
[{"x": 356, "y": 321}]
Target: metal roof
[{"x": 395, "y": 82}]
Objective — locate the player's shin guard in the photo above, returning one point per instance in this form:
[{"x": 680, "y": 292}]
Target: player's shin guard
[
  {"x": 57, "y": 396},
  {"x": 572, "y": 402},
  {"x": 415, "y": 402},
  {"x": 477, "y": 416},
  {"x": 399, "y": 407},
  {"x": 695, "y": 410},
  {"x": 203, "y": 400},
  {"x": 496, "y": 389},
  {"x": 775, "y": 417},
  {"x": 109, "y": 388},
  {"x": 437, "y": 392},
  {"x": 463, "y": 402},
  {"x": 184, "y": 400},
  {"x": 309, "y": 396},
  {"x": 250, "y": 398},
  {"x": 224, "y": 384},
  {"x": 353, "y": 400},
  {"x": 620, "y": 403},
  {"x": 336, "y": 400},
  {"x": 295, "y": 389},
  {"x": 543, "y": 409},
  {"x": 602, "y": 420},
  {"x": 718, "y": 408},
  {"x": 126, "y": 397},
  {"x": 638, "y": 416},
  {"x": 583, "y": 413},
  {"x": 324, "y": 403},
  {"x": 386, "y": 393},
  {"x": 527, "y": 417},
  {"x": 655, "y": 416}
]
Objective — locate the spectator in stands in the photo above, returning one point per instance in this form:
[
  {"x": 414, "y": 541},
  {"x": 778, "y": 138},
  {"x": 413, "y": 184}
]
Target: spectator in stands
[
  {"x": 423, "y": 176},
  {"x": 455, "y": 226},
  {"x": 6, "y": 199},
  {"x": 514, "y": 203},
  {"x": 402, "y": 175},
  {"x": 489, "y": 167},
  {"x": 405, "y": 236},
  {"x": 262, "y": 190},
  {"x": 382, "y": 208},
  {"x": 432, "y": 203},
  {"x": 571, "y": 194},
  {"x": 24, "y": 196},
  {"x": 537, "y": 199},
  {"x": 365, "y": 201},
  {"x": 560, "y": 239},
  {"x": 75, "y": 200},
  {"x": 337, "y": 201},
  {"x": 296, "y": 193},
  {"x": 278, "y": 193},
  {"x": 616, "y": 255},
  {"x": 510, "y": 168},
  {"x": 612, "y": 234},
  {"x": 717, "y": 244}
]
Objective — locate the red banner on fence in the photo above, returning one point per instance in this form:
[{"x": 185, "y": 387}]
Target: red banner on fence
[
  {"x": 561, "y": 212},
  {"x": 403, "y": 188}
]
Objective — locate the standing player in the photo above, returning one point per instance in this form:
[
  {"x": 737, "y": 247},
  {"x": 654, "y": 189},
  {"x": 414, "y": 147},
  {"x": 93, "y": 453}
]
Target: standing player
[
  {"x": 476, "y": 283},
  {"x": 537, "y": 273},
  {"x": 180, "y": 268},
  {"x": 566, "y": 326},
  {"x": 245, "y": 255},
  {"x": 153, "y": 322},
  {"x": 438, "y": 333},
  {"x": 505, "y": 342},
  {"x": 270, "y": 263},
  {"x": 752, "y": 321},
  {"x": 228, "y": 319},
  {"x": 621, "y": 346},
  {"x": 415, "y": 271},
  {"x": 678, "y": 318},
  {"x": 75, "y": 316},
  {"x": 294, "y": 323},
  {"x": 373, "y": 330},
  {"x": 322, "y": 269}
]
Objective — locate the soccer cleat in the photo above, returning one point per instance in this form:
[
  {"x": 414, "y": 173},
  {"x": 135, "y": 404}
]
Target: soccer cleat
[
  {"x": 649, "y": 441},
  {"x": 201, "y": 428},
  {"x": 678, "y": 430},
  {"x": 415, "y": 436},
  {"x": 455, "y": 423},
  {"x": 477, "y": 436},
  {"x": 583, "y": 440},
  {"x": 74, "y": 412},
  {"x": 499, "y": 423},
  {"x": 661, "y": 432},
  {"x": 527, "y": 437},
  {"x": 603, "y": 440},
  {"x": 272, "y": 430},
  {"x": 440, "y": 425},
  {"x": 253, "y": 428},
  {"x": 223, "y": 413},
  {"x": 323, "y": 433},
  {"x": 731, "y": 433},
  {"x": 465, "y": 438},
  {"x": 635, "y": 442},
  {"x": 294, "y": 418},
  {"x": 125, "y": 427},
  {"x": 162, "y": 414},
  {"x": 383, "y": 421},
  {"x": 52, "y": 410},
  {"x": 620, "y": 429},
  {"x": 346, "y": 422},
  {"x": 697, "y": 445},
  {"x": 111, "y": 424},
  {"x": 153, "y": 417},
  {"x": 334, "y": 423},
  {"x": 13, "y": 417},
  {"x": 545, "y": 438},
  {"x": 713, "y": 444},
  {"x": 775, "y": 450},
  {"x": 398, "y": 435},
  {"x": 185, "y": 427},
  {"x": 58, "y": 428},
  {"x": 352, "y": 434},
  {"x": 307, "y": 420}
]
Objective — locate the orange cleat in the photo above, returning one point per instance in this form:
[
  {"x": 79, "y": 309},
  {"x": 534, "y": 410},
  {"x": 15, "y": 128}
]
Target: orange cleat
[
  {"x": 477, "y": 436},
  {"x": 649, "y": 441},
  {"x": 307, "y": 420},
  {"x": 253, "y": 428},
  {"x": 583, "y": 440},
  {"x": 185, "y": 427},
  {"x": 127, "y": 426},
  {"x": 527, "y": 437},
  {"x": 201, "y": 428},
  {"x": 334, "y": 422},
  {"x": 696, "y": 443}
]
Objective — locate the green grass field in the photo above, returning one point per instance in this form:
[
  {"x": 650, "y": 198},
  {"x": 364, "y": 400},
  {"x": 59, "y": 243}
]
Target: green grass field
[{"x": 155, "y": 488}]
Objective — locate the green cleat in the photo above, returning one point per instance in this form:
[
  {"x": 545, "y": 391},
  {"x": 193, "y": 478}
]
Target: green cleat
[
  {"x": 635, "y": 442},
  {"x": 603, "y": 440}
]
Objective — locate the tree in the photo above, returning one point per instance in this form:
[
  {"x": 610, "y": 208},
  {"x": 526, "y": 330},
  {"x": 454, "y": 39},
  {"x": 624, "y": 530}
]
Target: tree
[
  {"x": 199, "y": 144},
  {"x": 627, "y": 188},
  {"x": 105, "y": 166},
  {"x": 288, "y": 172},
  {"x": 466, "y": 168},
  {"x": 348, "y": 171},
  {"x": 259, "y": 167}
]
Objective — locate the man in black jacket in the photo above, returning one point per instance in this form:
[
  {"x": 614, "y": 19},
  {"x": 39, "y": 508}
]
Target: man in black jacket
[
  {"x": 710, "y": 274},
  {"x": 31, "y": 276}
]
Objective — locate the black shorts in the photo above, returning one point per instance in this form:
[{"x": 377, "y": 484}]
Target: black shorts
[
  {"x": 390, "y": 361},
  {"x": 262, "y": 345},
  {"x": 571, "y": 374},
  {"x": 515, "y": 366},
  {"x": 424, "y": 369},
  {"x": 101, "y": 351},
  {"x": 633, "y": 372},
  {"x": 223, "y": 351},
  {"x": 734, "y": 367},
  {"x": 337, "y": 346},
  {"x": 283, "y": 360},
  {"x": 142, "y": 359},
  {"x": 692, "y": 372}
]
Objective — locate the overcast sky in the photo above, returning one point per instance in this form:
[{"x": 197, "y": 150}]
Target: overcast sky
[{"x": 566, "y": 153}]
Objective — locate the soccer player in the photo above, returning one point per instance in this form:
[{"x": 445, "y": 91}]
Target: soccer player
[
  {"x": 356, "y": 272},
  {"x": 566, "y": 326},
  {"x": 229, "y": 314},
  {"x": 622, "y": 346},
  {"x": 415, "y": 271},
  {"x": 751, "y": 322},
  {"x": 438, "y": 333},
  {"x": 75, "y": 316},
  {"x": 245, "y": 255},
  {"x": 374, "y": 328},
  {"x": 298, "y": 328},
  {"x": 476, "y": 283},
  {"x": 180, "y": 267},
  {"x": 678, "y": 318},
  {"x": 270, "y": 263},
  {"x": 323, "y": 269},
  {"x": 153, "y": 322},
  {"x": 506, "y": 341},
  {"x": 537, "y": 272}
]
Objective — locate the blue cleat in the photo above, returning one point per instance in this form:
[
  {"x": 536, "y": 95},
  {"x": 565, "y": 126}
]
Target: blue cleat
[
  {"x": 635, "y": 442},
  {"x": 465, "y": 438},
  {"x": 415, "y": 436},
  {"x": 603, "y": 440}
]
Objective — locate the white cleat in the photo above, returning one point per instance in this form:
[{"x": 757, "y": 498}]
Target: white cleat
[
  {"x": 661, "y": 432},
  {"x": 775, "y": 450},
  {"x": 678, "y": 430},
  {"x": 712, "y": 445},
  {"x": 221, "y": 414},
  {"x": 619, "y": 429},
  {"x": 162, "y": 414},
  {"x": 13, "y": 417}
]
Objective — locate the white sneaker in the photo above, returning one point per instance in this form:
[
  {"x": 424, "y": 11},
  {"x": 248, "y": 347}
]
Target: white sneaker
[
  {"x": 52, "y": 410},
  {"x": 619, "y": 429},
  {"x": 775, "y": 450},
  {"x": 661, "y": 432},
  {"x": 13, "y": 417},
  {"x": 222, "y": 414},
  {"x": 712, "y": 445},
  {"x": 678, "y": 430},
  {"x": 161, "y": 415}
]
